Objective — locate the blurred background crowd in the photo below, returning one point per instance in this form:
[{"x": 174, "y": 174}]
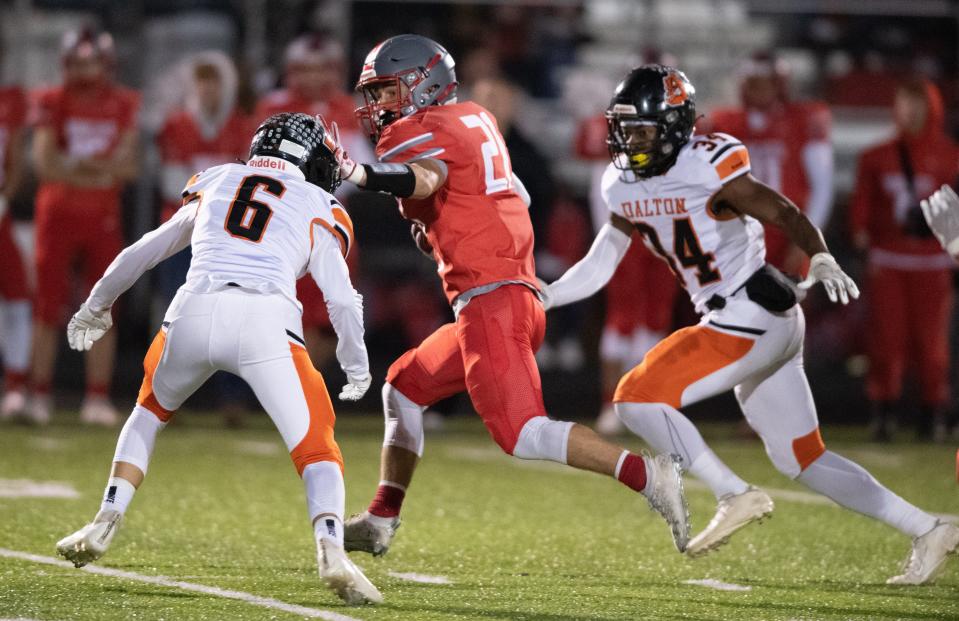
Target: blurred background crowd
[{"x": 849, "y": 108}]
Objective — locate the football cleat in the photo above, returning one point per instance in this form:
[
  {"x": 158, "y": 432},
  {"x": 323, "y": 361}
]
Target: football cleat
[
  {"x": 90, "y": 542},
  {"x": 364, "y": 532},
  {"x": 735, "y": 511},
  {"x": 664, "y": 491},
  {"x": 928, "y": 554},
  {"x": 343, "y": 577},
  {"x": 13, "y": 405},
  {"x": 99, "y": 411}
]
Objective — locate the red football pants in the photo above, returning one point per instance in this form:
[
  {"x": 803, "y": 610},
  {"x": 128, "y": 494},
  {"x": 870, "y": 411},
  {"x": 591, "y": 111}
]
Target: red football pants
[
  {"x": 490, "y": 352},
  {"x": 65, "y": 236},
  {"x": 909, "y": 324},
  {"x": 13, "y": 278}
]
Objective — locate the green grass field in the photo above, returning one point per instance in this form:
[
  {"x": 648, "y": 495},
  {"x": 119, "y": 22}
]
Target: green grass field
[{"x": 517, "y": 540}]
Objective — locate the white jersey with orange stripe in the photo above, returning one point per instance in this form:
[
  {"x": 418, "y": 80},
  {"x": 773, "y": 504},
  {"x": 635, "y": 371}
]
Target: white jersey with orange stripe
[
  {"x": 256, "y": 226},
  {"x": 712, "y": 250}
]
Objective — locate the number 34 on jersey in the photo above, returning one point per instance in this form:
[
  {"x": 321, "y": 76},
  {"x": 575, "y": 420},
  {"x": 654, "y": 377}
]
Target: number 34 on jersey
[{"x": 711, "y": 250}]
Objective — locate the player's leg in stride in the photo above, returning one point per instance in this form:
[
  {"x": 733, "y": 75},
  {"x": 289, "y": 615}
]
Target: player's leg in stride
[
  {"x": 435, "y": 370},
  {"x": 134, "y": 448}
]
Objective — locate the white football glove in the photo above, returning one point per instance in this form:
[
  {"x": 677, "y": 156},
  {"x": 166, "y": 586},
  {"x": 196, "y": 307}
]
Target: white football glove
[
  {"x": 356, "y": 388},
  {"x": 942, "y": 214},
  {"x": 349, "y": 170},
  {"x": 546, "y": 296},
  {"x": 87, "y": 326},
  {"x": 839, "y": 286}
]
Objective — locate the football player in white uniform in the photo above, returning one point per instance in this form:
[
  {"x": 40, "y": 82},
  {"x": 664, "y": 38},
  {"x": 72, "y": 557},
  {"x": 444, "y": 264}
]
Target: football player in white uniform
[
  {"x": 700, "y": 210},
  {"x": 254, "y": 229}
]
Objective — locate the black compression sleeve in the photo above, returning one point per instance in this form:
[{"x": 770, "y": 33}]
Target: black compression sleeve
[{"x": 397, "y": 179}]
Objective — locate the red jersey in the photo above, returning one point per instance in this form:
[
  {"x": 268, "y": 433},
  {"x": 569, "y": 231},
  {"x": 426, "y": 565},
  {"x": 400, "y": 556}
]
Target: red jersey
[
  {"x": 182, "y": 142},
  {"x": 882, "y": 203},
  {"x": 775, "y": 141},
  {"x": 86, "y": 123},
  {"x": 13, "y": 112},
  {"x": 478, "y": 225}
]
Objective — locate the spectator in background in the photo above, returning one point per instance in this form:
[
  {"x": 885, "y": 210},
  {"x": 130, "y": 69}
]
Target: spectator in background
[
  {"x": 84, "y": 150},
  {"x": 14, "y": 291},
  {"x": 909, "y": 289},
  {"x": 314, "y": 79},
  {"x": 789, "y": 148},
  {"x": 208, "y": 130},
  {"x": 635, "y": 320}
]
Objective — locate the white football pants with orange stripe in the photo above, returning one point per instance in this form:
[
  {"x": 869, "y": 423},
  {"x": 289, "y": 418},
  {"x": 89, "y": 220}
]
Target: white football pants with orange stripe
[
  {"x": 257, "y": 337},
  {"x": 759, "y": 354}
]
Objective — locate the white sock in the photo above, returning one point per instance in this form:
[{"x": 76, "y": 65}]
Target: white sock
[
  {"x": 16, "y": 335},
  {"x": 137, "y": 438},
  {"x": 716, "y": 475},
  {"x": 325, "y": 499},
  {"x": 117, "y": 496},
  {"x": 665, "y": 429},
  {"x": 851, "y": 486}
]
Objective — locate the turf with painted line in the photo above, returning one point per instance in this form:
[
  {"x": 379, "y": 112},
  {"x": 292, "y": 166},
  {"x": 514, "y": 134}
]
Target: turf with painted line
[{"x": 517, "y": 542}]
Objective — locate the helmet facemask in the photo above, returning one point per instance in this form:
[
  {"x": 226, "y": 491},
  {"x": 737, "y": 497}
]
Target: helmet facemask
[
  {"x": 636, "y": 143},
  {"x": 377, "y": 114}
]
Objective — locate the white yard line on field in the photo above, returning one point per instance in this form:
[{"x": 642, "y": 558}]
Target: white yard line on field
[
  {"x": 718, "y": 585},
  {"x": 421, "y": 578},
  {"x": 25, "y": 488},
  {"x": 258, "y": 447},
  {"x": 249, "y": 598}
]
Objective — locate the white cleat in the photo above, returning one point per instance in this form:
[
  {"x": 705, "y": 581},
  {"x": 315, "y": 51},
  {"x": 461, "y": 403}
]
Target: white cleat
[
  {"x": 39, "y": 410},
  {"x": 608, "y": 423},
  {"x": 364, "y": 532},
  {"x": 343, "y": 577},
  {"x": 928, "y": 554},
  {"x": 735, "y": 511},
  {"x": 99, "y": 411},
  {"x": 90, "y": 542},
  {"x": 13, "y": 405},
  {"x": 664, "y": 491}
]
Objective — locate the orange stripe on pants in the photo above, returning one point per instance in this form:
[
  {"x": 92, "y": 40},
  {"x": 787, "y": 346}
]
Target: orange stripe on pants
[
  {"x": 679, "y": 360},
  {"x": 146, "y": 397},
  {"x": 318, "y": 444},
  {"x": 808, "y": 448}
]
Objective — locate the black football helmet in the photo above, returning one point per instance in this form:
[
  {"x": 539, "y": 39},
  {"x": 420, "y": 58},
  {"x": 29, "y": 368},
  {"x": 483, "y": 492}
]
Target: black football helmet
[
  {"x": 653, "y": 96},
  {"x": 303, "y": 141}
]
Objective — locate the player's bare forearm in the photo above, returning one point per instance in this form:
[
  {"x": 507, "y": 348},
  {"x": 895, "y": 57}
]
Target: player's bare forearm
[
  {"x": 430, "y": 176},
  {"x": 750, "y": 197}
]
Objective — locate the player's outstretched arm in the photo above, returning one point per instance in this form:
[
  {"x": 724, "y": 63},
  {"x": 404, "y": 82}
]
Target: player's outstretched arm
[
  {"x": 331, "y": 274},
  {"x": 93, "y": 319},
  {"x": 593, "y": 271},
  {"x": 748, "y": 196},
  {"x": 941, "y": 211}
]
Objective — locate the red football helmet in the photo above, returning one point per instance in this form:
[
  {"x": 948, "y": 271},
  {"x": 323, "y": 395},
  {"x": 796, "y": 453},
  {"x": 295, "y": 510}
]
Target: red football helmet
[{"x": 88, "y": 56}]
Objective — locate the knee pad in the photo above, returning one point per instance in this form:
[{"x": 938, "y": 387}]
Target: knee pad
[
  {"x": 543, "y": 438},
  {"x": 793, "y": 460},
  {"x": 404, "y": 420}
]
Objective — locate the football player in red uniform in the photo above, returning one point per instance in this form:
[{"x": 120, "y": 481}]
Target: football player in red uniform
[
  {"x": 909, "y": 290},
  {"x": 635, "y": 322},
  {"x": 14, "y": 291},
  {"x": 789, "y": 148},
  {"x": 84, "y": 148},
  {"x": 314, "y": 75},
  {"x": 448, "y": 163}
]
